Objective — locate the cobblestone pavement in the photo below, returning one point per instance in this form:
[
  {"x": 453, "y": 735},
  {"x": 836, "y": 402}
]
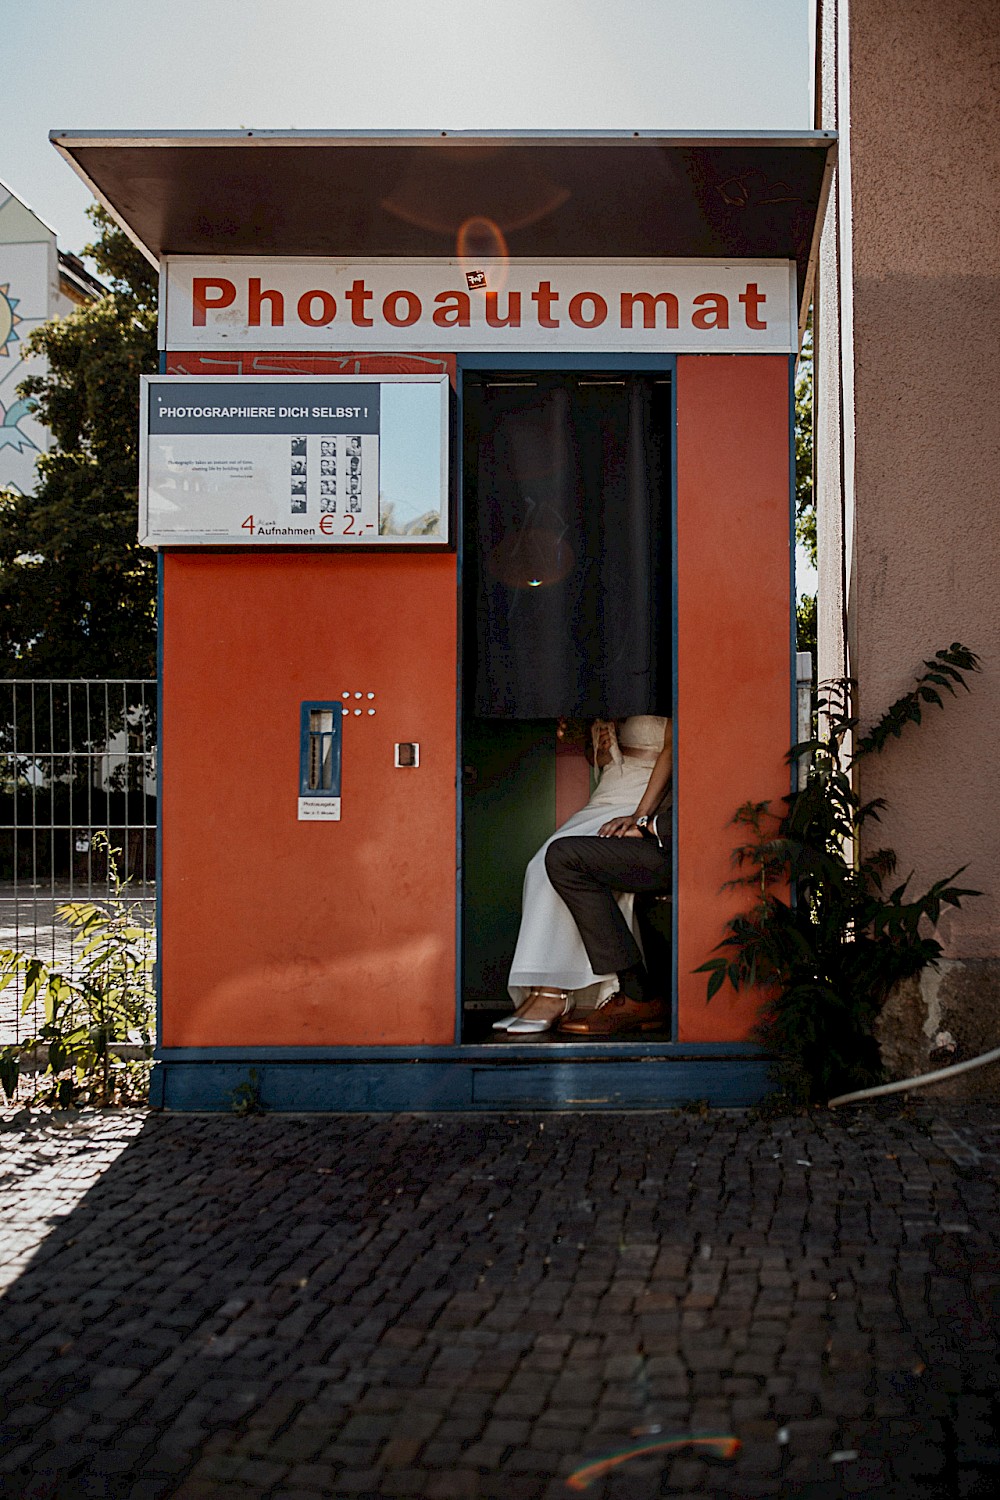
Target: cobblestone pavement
[{"x": 460, "y": 1306}]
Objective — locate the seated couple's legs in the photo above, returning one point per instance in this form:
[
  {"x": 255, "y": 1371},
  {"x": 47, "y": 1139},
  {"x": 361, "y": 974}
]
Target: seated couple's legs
[{"x": 587, "y": 872}]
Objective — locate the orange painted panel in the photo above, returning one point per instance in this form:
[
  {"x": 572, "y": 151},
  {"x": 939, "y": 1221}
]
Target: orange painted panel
[
  {"x": 734, "y": 667},
  {"x": 276, "y": 932}
]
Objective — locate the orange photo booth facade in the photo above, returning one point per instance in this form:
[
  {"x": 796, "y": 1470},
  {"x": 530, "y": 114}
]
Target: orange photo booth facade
[{"x": 341, "y": 822}]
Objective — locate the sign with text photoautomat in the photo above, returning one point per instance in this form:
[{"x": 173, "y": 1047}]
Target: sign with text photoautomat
[
  {"x": 294, "y": 461},
  {"x": 651, "y": 306}
]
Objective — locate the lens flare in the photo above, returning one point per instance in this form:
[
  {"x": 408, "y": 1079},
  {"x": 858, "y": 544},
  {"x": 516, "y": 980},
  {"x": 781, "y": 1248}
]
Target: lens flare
[
  {"x": 535, "y": 557},
  {"x": 481, "y": 246},
  {"x": 582, "y": 1479}
]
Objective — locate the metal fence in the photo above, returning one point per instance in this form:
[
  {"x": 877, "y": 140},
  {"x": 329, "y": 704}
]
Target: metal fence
[{"x": 77, "y": 759}]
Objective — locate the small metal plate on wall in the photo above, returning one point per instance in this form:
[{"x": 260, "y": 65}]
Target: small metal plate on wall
[{"x": 408, "y": 755}]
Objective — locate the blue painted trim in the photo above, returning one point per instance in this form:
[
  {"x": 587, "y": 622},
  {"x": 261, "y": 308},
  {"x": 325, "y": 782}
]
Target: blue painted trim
[
  {"x": 336, "y": 708},
  {"x": 360, "y": 1087},
  {"x": 665, "y": 364},
  {"x": 555, "y": 361},
  {"x": 158, "y": 968},
  {"x": 495, "y": 1053},
  {"x": 458, "y": 460},
  {"x": 674, "y": 622},
  {"x": 793, "y": 734}
]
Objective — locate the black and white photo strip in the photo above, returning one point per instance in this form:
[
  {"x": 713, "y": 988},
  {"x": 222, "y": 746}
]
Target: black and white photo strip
[
  {"x": 298, "y": 476},
  {"x": 354, "y": 474},
  {"x": 328, "y": 475}
]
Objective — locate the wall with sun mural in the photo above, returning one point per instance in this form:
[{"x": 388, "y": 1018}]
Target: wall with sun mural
[{"x": 37, "y": 281}]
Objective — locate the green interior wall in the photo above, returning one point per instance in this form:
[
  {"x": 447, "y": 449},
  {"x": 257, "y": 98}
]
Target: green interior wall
[{"x": 509, "y": 810}]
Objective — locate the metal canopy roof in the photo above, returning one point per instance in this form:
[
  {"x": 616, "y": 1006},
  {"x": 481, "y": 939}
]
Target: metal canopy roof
[{"x": 360, "y": 195}]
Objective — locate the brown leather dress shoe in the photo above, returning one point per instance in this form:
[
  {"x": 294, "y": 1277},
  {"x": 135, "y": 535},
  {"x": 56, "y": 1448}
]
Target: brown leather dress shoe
[{"x": 620, "y": 1014}]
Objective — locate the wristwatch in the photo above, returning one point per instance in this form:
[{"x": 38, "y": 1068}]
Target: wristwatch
[{"x": 643, "y": 826}]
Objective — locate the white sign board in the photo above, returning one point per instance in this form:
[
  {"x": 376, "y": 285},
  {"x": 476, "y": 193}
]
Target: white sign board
[
  {"x": 293, "y": 461},
  {"x": 593, "y": 306},
  {"x": 319, "y": 810}
]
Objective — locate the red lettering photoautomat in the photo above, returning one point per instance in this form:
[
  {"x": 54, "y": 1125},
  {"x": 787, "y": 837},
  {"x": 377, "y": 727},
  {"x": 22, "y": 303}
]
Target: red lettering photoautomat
[
  {"x": 256, "y": 297},
  {"x": 452, "y": 310},
  {"x": 513, "y": 318},
  {"x": 711, "y": 311},
  {"x": 753, "y": 298},
  {"x": 317, "y": 308},
  {"x": 225, "y": 296},
  {"x": 598, "y": 310},
  {"x": 660, "y": 306},
  {"x": 358, "y": 295},
  {"x": 391, "y": 313}
]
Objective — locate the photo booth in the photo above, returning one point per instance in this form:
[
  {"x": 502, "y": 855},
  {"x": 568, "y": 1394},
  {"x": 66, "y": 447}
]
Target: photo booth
[{"x": 458, "y": 441}]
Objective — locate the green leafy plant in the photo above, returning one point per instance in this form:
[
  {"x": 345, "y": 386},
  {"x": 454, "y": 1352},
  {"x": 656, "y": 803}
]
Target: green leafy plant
[
  {"x": 825, "y": 939},
  {"x": 105, "y": 999}
]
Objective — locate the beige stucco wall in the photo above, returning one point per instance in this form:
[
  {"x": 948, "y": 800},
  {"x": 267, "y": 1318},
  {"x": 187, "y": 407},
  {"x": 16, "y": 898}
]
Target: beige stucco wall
[
  {"x": 925, "y": 159},
  {"x": 909, "y": 459},
  {"x": 832, "y": 487},
  {"x": 924, "y": 564}
]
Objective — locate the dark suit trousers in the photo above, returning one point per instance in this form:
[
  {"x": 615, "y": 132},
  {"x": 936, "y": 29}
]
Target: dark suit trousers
[{"x": 587, "y": 872}]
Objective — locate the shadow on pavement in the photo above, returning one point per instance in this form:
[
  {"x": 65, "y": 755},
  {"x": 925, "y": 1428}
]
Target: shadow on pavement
[{"x": 478, "y": 1306}]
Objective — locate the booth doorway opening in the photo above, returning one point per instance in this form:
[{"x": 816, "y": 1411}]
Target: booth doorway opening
[{"x": 566, "y": 619}]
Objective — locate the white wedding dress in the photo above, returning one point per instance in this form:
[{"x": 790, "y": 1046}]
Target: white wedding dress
[{"x": 550, "y": 951}]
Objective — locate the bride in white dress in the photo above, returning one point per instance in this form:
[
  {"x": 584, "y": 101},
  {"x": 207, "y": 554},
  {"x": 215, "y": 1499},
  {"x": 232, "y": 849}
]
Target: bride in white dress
[{"x": 550, "y": 974}]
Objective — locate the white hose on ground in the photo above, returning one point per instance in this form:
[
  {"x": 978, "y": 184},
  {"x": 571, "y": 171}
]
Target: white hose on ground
[{"x": 902, "y": 1084}]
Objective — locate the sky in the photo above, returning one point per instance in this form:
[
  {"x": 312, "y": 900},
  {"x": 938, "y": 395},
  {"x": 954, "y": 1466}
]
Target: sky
[{"x": 386, "y": 64}]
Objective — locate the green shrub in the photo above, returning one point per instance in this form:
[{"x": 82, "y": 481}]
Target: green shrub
[
  {"x": 105, "y": 1000},
  {"x": 824, "y": 938}
]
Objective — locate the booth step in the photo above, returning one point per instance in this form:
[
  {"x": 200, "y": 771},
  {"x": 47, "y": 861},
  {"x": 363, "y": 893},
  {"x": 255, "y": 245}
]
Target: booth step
[{"x": 560, "y": 1077}]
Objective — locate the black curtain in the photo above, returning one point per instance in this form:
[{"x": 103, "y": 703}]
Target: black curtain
[{"x": 567, "y": 540}]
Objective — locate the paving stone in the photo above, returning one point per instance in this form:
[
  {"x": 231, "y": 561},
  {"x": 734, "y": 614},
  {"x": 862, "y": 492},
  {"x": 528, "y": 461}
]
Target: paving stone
[{"x": 312, "y": 1307}]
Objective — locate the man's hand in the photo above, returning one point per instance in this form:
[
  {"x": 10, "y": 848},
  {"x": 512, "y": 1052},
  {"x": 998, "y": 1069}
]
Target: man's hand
[{"x": 619, "y": 828}]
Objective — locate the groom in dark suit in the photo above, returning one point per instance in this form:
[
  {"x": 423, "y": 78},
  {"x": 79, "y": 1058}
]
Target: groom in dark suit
[{"x": 628, "y": 854}]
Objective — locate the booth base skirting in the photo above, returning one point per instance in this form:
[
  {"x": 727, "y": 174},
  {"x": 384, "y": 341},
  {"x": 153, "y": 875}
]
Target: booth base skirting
[{"x": 386, "y": 1080}]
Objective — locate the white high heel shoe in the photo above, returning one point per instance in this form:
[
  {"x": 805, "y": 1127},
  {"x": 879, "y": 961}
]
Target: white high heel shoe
[
  {"x": 505, "y": 1022},
  {"x": 522, "y": 1025}
]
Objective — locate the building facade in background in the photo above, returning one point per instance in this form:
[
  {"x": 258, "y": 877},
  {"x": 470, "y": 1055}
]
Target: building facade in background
[
  {"x": 37, "y": 281},
  {"x": 908, "y": 457}
]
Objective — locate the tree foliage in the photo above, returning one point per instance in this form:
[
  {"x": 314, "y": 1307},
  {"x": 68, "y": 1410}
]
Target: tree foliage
[
  {"x": 805, "y": 503},
  {"x": 806, "y": 625},
  {"x": 77, "y": 593},
  {"x": 824, "y": 936},
  {"x": 805, "y": 499}
]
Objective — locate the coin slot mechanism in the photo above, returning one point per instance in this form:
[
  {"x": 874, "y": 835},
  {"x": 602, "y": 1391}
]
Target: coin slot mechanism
[
  {"x": 319, "y": 762},
  {"x": 408, "y": 755}
]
